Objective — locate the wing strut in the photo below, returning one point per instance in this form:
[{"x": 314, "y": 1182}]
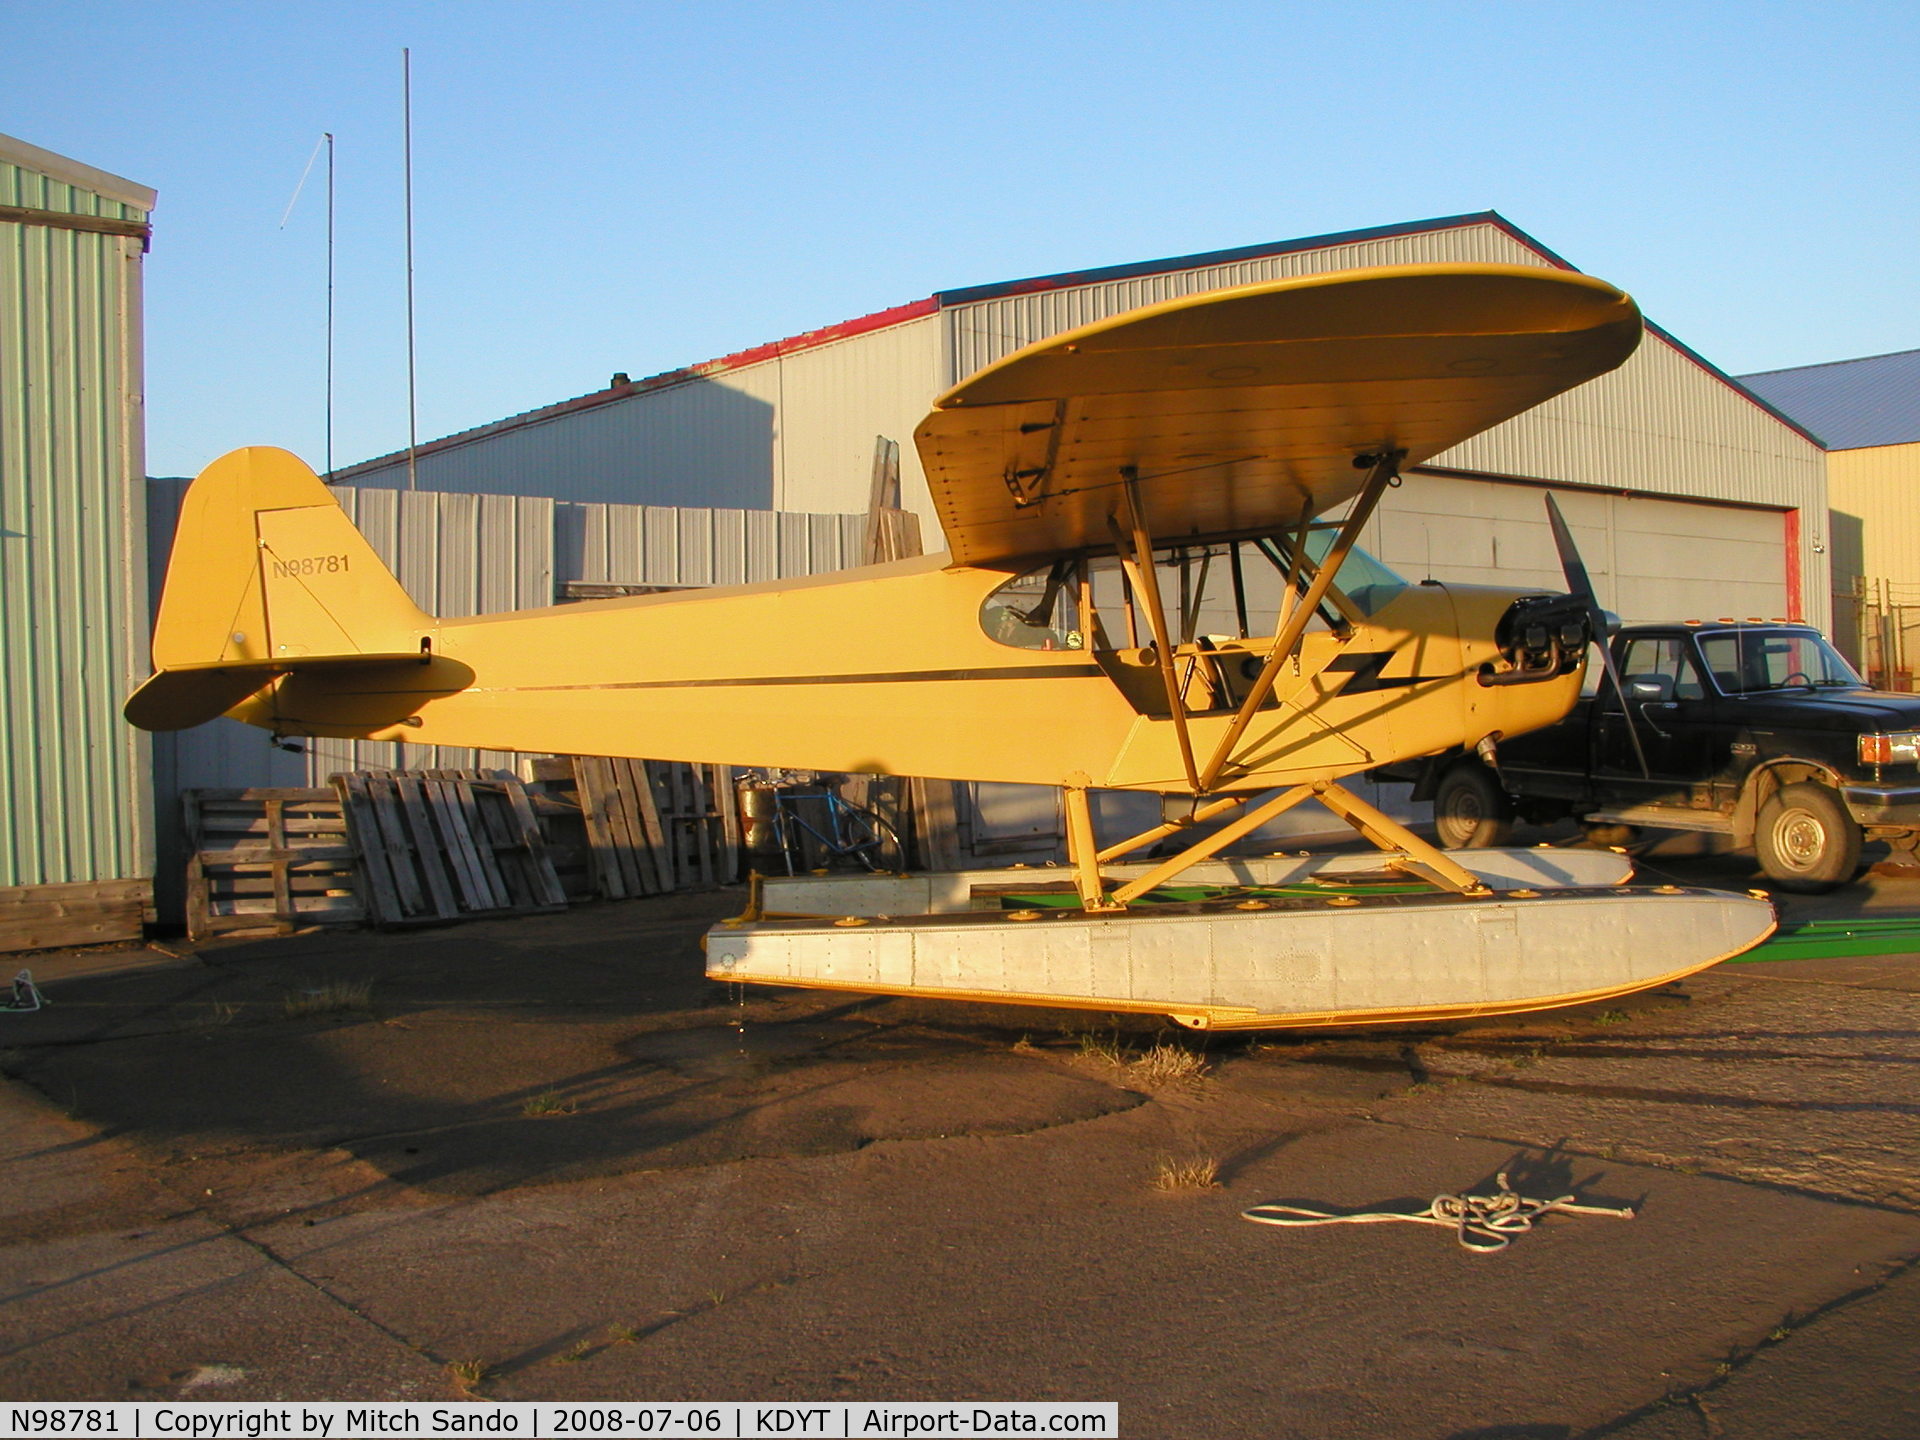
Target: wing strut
[
  {"x": 1386, "y": 468},
  {"x": 1135, "y": 545}
]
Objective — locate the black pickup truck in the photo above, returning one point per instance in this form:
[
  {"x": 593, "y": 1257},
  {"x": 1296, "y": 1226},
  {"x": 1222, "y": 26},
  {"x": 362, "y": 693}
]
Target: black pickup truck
[{"x": 1755, "y": 730}]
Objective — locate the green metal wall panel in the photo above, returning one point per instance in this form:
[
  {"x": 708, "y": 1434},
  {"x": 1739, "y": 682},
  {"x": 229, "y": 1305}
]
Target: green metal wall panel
[{"x": 74, "y": 784}]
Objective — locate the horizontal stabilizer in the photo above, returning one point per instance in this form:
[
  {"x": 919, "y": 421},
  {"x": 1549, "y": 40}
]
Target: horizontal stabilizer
[{"x": 181, "y": 699}]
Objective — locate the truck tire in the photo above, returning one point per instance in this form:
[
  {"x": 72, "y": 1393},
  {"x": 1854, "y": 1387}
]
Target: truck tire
[
  {"x": 1806, "y": 840},
  {"x": 1470, "y": 810}
]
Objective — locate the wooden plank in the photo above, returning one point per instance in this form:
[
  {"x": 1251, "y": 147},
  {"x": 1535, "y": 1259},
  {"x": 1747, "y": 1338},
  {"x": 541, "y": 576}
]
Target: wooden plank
[
  {"x": 936, "y": 822},
  {"x": 652, "y": 860},
  {"x": 477, "y": 840},
  {"x": 542, "y": 875},
  {"x": 301, "y": 889},
  {"x": 428, "y": 854},
  {"x": 419, "y": 897},
  {"x": 498, "y": 842},
  {"x": 619, "y": 818},
  {"x": 470, "y": 882},
  {"x": 658, "y": 838},
  {"x": 728, "y": 799},
  {"x": 701, "y": 827},
  {"x": 630, "y": 845},
  {"x": 78, "y": 892},
  {"x": 377, "y": 857},
  {"x": 333, "y": 854},
  {"x": 277, "y": 839},
  {"x": 590, "y": 780},
  {"x": 686, "y": 855}
]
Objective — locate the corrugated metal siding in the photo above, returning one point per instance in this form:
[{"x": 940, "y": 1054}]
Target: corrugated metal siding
[
  {"x": 660, "y": 545},
  {"x": 1875, "y": 495},
  {"x": 73, "y": 605},
  {"x": 983, "y": 331}
]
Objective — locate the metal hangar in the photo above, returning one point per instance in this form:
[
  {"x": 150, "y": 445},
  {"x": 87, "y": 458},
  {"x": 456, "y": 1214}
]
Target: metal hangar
[{"x": 1691, "y": 495}]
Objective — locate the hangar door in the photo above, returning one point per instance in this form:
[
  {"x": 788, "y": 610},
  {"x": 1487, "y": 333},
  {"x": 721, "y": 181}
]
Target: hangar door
[{"x": 1650, "y": 559}]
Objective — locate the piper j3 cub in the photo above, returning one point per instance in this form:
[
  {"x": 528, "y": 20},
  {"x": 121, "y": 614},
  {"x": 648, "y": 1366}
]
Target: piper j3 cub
[{"x": 1190, "y": 445}]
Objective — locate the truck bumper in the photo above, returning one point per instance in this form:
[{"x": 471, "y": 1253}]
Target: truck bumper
[{"x": 1888, "y": 805}]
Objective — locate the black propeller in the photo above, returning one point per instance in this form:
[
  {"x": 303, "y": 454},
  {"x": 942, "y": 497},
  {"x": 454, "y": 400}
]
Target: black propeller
[{"x": 1581, "y": 588}]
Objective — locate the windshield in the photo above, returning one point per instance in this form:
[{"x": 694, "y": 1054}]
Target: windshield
[
  {"x": 1363, "y": 579},
  {"x": 1745, "y": 662}
]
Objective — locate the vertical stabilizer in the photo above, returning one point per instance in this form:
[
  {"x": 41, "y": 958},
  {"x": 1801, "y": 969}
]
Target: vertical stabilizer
[
  {"x": 267, "y": 567},
  {"x": 267, "y": 574}
]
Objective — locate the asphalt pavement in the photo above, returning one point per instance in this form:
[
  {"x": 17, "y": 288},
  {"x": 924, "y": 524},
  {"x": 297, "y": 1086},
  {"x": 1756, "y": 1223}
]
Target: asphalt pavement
[{"x": 547, "y": 1159}]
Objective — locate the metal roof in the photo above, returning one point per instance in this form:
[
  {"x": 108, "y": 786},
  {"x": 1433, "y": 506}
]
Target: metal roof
[
  {"x": 1850, "y": 404},
  {"x": 67, "y": 171}
]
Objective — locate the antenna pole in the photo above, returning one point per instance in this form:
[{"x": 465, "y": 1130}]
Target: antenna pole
[
  {"x": 329, "y": 307},
  {"x": 406, "y": 121}
]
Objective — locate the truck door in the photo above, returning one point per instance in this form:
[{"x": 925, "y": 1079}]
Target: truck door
[{"x": 1671, "y": 711}]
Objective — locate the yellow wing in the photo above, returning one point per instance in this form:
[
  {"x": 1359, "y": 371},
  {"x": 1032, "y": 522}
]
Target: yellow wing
[{"x": 1243, "y": 409}]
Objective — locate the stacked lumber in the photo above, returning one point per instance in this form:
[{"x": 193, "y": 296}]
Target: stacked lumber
[
  {"x": 271, "y": 859},
  {"x": 447, "y": 845},
  {"x": 655, "y": 826},
  {"x": 90, "y": 912}
]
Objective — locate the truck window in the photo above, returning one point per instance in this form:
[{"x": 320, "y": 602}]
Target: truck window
[
  {"x": 1664, "y": 662},
  {"x": 1745, "y": 662}
]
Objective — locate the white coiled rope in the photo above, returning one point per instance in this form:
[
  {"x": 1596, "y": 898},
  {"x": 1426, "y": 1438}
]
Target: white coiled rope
[
  {"x": 1481, "y": 1223},
  {"x": 26, "y": 995}
]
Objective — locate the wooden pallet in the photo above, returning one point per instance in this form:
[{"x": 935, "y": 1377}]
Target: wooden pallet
[
  {"x": 653, "y": 826},
  {"x": 447, "y": 845},
  {"x": 270, "y": 859}
]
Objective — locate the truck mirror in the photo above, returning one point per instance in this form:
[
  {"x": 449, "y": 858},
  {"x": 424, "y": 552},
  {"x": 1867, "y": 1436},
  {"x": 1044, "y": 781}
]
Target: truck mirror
[{"x": 1645, "y": 688}]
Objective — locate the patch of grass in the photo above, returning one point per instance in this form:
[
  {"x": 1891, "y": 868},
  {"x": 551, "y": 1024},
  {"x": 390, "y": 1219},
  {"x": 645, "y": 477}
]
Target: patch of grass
[
  {"x": 581, "y": 1350},
  {"x": 1025, "y": 1046},
  {"x": 1611, "y": 1017},
  {"x": 331, "y": 997},
  {"x": 1164, "y": 1064},
  {"x": 547, "y": 1105},
  {"x": 469, "y": 1374},
  {"x": 622, "y": 1335},
  {"x": 1195, "y": 1172},
  {"x": 1108, "y": 1049}
]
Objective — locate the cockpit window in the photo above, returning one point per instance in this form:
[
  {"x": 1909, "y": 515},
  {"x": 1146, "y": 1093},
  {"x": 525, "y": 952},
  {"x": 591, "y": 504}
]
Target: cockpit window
[
  {"x": 1363, "y": 579},
  {"x": 1040, "y": 610}
]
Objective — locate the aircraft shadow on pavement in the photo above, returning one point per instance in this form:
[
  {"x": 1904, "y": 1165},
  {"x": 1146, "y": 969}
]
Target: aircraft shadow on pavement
[{"x": 464, "y": 1061}]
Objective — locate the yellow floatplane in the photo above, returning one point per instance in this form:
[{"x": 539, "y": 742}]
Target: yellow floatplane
[{"x": 1200, "y": 439}]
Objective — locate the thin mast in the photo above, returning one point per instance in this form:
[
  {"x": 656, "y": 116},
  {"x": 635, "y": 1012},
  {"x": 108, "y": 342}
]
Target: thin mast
[{"x": 406, "y": 122}]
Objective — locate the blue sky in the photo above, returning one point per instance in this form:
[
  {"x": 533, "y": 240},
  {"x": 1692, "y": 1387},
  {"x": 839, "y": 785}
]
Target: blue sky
[{"x": 636, "y": 187}]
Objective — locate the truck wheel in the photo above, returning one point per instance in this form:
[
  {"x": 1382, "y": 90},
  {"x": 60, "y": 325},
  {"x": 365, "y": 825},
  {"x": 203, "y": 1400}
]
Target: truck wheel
[
  {"x": 1470, "y": 810},
  {"x": 1806, "y": 841}
]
